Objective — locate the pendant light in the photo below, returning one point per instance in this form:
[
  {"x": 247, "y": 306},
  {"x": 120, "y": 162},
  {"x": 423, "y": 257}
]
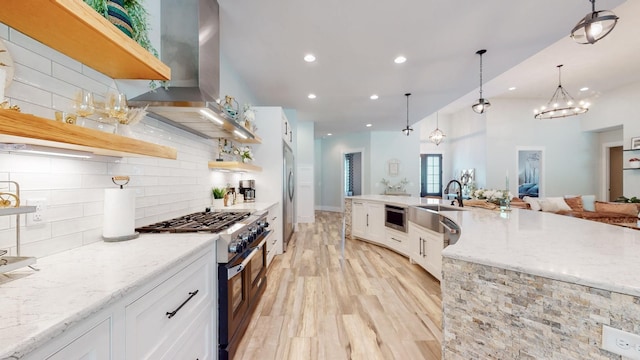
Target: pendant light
[
  {"x": 561, "y": 104},
  {"x": 407, "y": 130},
  {"x": 482, "y": 105},
  {"x": 594, "y": 26},
  {"x": 436, "y": 135}
]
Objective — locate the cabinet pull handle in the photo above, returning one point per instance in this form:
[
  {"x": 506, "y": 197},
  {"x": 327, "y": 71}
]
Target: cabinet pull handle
[
  {"x": 367, "y": 220},
  {"x": 191, "y": 295},
  {"x": 286, "y": 128},
  {"x": 392, "y": 238}
]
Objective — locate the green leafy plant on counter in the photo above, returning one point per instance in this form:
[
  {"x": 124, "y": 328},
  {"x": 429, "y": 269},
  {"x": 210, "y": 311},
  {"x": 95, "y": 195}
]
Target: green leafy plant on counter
[
  {"x": 218, "y": 193},
  {"x": 624, "y": 199}
]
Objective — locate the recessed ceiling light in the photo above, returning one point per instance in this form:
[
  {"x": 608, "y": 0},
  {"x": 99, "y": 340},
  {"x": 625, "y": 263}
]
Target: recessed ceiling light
[
  {"x": 512, "y": 88},
  {"x": 369, "y": 125},
  {"x": 309, "y": 58},
  {"x": 584, "y": 89},
  {"x": 400, "y": 59},
  {"x": 329, "y": 134},
  {"x": 373, "y": 97},
  {"x": 311, "y": 96}
]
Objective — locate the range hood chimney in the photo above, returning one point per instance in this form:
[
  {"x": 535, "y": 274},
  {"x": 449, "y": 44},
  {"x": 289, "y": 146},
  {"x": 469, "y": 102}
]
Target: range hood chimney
[{"x": 190, "y": 46}]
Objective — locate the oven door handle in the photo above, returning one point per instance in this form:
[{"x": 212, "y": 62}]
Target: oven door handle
[{"x": 233, "y": 271}]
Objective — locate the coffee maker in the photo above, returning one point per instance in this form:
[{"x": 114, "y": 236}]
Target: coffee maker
[{"x": 248, "y": 189}]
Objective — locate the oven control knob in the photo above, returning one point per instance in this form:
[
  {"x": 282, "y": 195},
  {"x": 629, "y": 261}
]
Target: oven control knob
[
  {"x": 235, "y": 247},
  {"x": 244, "y": 239}
]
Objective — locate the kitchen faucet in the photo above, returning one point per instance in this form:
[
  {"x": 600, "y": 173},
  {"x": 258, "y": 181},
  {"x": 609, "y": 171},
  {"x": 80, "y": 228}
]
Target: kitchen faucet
[{"x": 459, "y": 193}]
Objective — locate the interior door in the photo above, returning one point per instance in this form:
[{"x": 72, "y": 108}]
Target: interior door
[{"x": 615, "y": 173}]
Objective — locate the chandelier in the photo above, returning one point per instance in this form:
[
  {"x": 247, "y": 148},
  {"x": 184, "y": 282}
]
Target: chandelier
[
  {"x": 436, "y": 135},
  {"x": 594, "y": 26},
  {"x": 482, "y": 103},
  {"x": 407, "y": 130},
  {"x": 561, "y": 104}
]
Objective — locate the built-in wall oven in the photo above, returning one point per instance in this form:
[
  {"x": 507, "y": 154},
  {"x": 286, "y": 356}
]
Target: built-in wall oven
[
  {"x": 395, "y": 217},
  {"x": 241, "y": 281}
]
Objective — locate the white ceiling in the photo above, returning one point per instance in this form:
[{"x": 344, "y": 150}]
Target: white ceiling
[{"x": 355, "y": 42}]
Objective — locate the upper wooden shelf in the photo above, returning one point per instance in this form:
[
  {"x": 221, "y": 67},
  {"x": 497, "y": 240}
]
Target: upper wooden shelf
[
  {"x": 75, "y": 29},
  {"x": 16, "y": 127},
  {"x": 233, "y": 166}
]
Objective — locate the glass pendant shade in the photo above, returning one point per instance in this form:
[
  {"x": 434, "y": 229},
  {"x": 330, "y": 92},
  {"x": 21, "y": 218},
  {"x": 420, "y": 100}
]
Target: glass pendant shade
[
  {"x": 594, "y": 26},
  {"x": 482, "y": 104},
  {"x": 437, "y": 135},
  {"x": 407, "y": 130},
  {"x": 561, "y": 104}
]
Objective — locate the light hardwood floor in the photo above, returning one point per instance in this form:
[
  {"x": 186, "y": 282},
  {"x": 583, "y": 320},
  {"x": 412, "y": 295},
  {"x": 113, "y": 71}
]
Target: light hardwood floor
[{"x": 373, "y": 305}]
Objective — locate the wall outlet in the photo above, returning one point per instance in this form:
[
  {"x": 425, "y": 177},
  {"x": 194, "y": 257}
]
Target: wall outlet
[
  {"x": 621, "y": 342},
  {"x": 36, "y": 218}
]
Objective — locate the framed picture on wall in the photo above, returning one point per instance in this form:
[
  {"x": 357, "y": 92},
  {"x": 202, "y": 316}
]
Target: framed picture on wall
[
  {"x": 635, "y": 143},
  {"x": 530, "y": 172}
]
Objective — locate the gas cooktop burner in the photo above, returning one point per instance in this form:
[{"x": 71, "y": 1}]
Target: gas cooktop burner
[{"x": 198, "y": 222}]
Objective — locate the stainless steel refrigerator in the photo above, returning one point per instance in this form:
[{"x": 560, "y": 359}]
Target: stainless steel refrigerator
[{"x": 288, "y": 193}]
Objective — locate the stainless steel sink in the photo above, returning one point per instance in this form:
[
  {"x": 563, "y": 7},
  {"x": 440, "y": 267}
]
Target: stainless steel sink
[{"x": 436, "y": 207}]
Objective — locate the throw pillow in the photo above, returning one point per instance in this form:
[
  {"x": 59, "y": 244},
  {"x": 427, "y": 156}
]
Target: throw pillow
[
  {"x": 534, "y": 204},
  {"x": 118, "y": 16},
  {"x": 589, "y": 202},
  {"x": 554, "y": 204},
  {"x": 618, "y": 208},
  {"x": 575, "y": 203}
]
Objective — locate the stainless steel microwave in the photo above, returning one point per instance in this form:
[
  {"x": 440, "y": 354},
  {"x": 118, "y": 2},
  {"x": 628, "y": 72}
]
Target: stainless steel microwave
[{"x": 395, "y": 217}]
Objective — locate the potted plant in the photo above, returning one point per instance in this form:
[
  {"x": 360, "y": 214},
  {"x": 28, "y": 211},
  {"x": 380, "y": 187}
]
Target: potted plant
[
  {"x": 634, "y": 163},
  {"x": 218, "y": 197}
]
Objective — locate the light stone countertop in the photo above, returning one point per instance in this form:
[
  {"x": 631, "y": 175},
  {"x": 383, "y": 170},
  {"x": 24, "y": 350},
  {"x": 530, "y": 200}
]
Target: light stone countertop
[
  {"x": 247, "y": 206},
  {"x": 553, "y": 246},
  {"x": 72, "y": 285}
]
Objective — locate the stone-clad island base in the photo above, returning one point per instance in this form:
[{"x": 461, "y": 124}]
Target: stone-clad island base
[{"x": 492, "y": 313}]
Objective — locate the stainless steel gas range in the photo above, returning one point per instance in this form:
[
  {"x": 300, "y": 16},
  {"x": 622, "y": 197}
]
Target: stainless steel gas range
[{"x": 242, "y": 266}]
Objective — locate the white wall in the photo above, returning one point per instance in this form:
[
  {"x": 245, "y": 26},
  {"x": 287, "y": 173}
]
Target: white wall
[
  {"x": 489, "y": 143},
  {"x": 329, "y": 174},
  {"x": 305, "y": 179},
  {"x": 46, "y": 80},
  {"x": 388, "y": 145}
]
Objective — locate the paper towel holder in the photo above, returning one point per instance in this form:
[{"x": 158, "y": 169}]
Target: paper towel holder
[{"x": 123, "y": 179}]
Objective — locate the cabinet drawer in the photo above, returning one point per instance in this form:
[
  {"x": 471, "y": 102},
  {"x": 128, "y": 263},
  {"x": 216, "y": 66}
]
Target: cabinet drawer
[
  {"x": 197, "y": 341},
  {"x": 154, "y": 321},
  {"x": 94, "y": 344}
]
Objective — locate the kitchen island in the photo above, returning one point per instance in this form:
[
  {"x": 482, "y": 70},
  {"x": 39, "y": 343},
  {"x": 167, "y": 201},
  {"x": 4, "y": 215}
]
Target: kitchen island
[{"x": 529, "y": 284}]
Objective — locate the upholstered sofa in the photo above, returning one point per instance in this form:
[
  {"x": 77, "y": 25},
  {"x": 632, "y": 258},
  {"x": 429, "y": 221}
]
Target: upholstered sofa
[{"x": 585, "y": 207}]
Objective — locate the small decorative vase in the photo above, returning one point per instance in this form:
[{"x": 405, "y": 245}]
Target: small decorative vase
[
  {"x": 218, "y": 203},
  {"x": 245, "y": 160},
  {"x": 634, "y": 164},
  {"x": 124, "y": 130}
]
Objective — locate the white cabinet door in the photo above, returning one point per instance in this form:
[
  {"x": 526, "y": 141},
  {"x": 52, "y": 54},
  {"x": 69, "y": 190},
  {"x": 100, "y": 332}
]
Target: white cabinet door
[
  {"x": 287, "y": 131},
  {"x": 95, "y": 344},
  {"x": 155, "y": 321},
  {"x": 274, "y": 242},
  {"x": 434, "y": 248},
  {"x": 358, "y": 219},
  {"x": 375, "y": 222},
  {"x": 426, "y": 249}
]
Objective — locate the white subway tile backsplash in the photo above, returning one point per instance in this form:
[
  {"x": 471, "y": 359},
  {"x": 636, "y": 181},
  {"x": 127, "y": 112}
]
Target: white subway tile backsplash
[
  {"x": 47, "y": 80},
  {"x": 28, "y": 93},
  {"x": 70, "y": 226},
  {"x": 39, "y": 48},
  {"x": 29, "y": 59}
]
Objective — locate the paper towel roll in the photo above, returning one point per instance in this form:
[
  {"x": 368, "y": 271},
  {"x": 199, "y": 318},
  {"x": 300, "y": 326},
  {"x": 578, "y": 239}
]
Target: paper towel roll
[{"x": 119, "y": 215}]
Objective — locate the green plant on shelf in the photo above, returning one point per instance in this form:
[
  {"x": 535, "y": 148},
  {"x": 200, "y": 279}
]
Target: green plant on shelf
[{"x": 218, "y": 193}]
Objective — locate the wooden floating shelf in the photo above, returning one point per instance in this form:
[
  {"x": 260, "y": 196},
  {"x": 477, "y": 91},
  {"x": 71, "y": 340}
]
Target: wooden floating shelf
[
  {"x": 76, "y": 30},
  {"x": 16, "y": 127},
  {"x": 231, "y": 126},
  {"x": 233, "y": 166}
]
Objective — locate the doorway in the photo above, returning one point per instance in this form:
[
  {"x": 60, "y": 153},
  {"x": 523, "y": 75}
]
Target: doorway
[
  {"x": 615, "y": 173},
  {"x": 352, "y": 174},
  {"x": 431, "y": 175}
]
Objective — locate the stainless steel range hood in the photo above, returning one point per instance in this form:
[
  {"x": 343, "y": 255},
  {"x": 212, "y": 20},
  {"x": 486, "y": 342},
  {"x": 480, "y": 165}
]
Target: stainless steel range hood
[{"x": 190, "y": 47}]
